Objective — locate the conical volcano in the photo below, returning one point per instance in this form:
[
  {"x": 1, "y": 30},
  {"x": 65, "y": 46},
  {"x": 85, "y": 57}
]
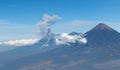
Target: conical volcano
[
  {"x": 103, "y": 36},
  {"x": 104, "y": 40}
]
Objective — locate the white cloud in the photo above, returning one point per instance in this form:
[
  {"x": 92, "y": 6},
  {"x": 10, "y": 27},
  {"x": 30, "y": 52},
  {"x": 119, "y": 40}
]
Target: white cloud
[
  {"x": 83, "y": 40},
  {"x": 22, "y": 42},
  {"x": 66, "y": 39}
]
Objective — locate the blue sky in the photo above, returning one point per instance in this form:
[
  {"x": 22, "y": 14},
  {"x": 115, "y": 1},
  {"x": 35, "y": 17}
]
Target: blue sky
[{"x": 19, "y": 18}]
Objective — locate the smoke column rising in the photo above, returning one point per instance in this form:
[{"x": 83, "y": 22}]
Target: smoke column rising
[{"x": 46, "y": 23}]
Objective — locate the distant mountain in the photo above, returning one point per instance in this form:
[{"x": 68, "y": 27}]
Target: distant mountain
[
  {"x": 103, "y": 35},
  {"x": 47, "y": 43},
  {"x": 104, "y": 38},
  {"x": 58, "y": 56},
  {"x": 75, "y": 33},
  {"x": 44, "y": 44},
  {"x": 101, "y": 52}
]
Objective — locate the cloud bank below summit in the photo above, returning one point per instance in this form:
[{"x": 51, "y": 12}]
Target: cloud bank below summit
[
  {"x": 66, "y": 39},
  {"x": 62, "y": 39},
  {"x": 22, "y": 42}
]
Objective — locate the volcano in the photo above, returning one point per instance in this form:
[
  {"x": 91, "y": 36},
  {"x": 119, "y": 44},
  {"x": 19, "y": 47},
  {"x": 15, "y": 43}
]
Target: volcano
[
  {"x": 103, "y": 36},
  {"x": 101, "y": 52}
]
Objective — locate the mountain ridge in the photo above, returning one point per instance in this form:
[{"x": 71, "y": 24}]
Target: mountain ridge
[{"x": 102, "y": 48}]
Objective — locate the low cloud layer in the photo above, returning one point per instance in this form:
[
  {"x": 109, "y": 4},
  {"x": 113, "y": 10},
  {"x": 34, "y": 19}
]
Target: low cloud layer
[
  {"x": 66, "y": 39},
  {"x": 22, "y": 42},
  {"x": 46, "y": 23}
]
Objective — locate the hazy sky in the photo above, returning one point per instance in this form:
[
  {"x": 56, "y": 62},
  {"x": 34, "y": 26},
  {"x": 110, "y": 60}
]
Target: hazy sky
[{"x": 19, "y": 18}]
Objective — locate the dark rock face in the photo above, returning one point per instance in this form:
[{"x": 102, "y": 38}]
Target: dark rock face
[
  {"x": 103, "y": 36},
  {"x": 104, "y": 41},
  {"x": 102, "y": 52}
]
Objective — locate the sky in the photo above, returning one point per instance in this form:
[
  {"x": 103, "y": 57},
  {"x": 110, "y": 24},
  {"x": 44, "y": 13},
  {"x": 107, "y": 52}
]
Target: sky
[{"x": 19, "y": 18}]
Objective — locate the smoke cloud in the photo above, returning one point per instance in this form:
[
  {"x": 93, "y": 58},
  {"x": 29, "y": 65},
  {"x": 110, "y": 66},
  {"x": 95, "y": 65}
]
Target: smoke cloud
[
  {"x": 66, "y": 39},
  {"x": 46, "y": 23}
]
